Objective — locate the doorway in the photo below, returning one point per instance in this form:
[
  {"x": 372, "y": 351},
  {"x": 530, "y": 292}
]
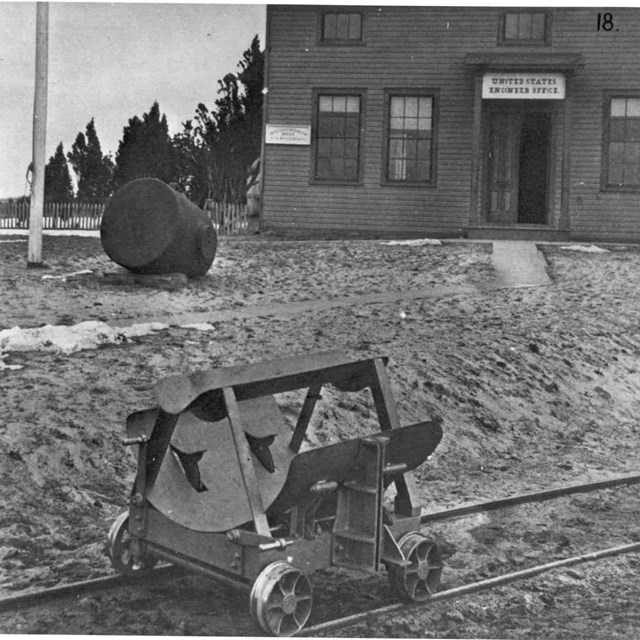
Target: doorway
[{"x": 517, "y": 157}]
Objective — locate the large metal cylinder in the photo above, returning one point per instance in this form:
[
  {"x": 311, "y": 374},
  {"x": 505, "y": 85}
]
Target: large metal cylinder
[{"x": 148, "y": 227}]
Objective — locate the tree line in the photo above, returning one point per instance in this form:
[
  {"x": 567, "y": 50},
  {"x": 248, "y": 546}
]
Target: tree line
[{"x": 211, "y": 158}]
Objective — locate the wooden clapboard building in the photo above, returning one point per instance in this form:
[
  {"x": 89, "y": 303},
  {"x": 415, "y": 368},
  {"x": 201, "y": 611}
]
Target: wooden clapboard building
[{"x": 485, "y": 122}]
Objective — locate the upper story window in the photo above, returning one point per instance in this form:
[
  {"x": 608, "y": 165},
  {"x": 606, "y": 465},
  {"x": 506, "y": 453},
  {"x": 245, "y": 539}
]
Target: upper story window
[
  {"x": 337, "y": 140},
  {"x": 621, "y": 165},
  {"x": 341, "y": 28},
  {"x": 524, "y": 28},
  {"x": 410, "y": 138}
]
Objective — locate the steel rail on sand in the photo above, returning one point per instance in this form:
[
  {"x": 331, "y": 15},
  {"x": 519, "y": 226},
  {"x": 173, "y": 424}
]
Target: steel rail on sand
[{"x": 26, "y": 600}]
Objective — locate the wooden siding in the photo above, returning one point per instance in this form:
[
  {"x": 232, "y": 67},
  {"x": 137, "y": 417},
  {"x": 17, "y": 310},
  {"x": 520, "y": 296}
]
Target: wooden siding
[
  {"x": 424, "y": 47},
  {"x": 611, "y": 62}
]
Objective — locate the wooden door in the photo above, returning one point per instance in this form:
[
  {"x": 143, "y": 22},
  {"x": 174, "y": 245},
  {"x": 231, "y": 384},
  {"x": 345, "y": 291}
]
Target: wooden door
[{"x": 502, "y": 162}]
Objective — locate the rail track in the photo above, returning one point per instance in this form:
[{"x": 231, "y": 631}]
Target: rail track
[{"x": 165, "y": 573}]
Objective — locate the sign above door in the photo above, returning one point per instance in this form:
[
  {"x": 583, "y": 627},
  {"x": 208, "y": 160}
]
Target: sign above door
[{"x": 523, "y": 86}]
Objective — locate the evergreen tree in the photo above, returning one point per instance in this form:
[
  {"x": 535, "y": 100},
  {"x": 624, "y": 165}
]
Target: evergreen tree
[
  {"x": 145, "y": 150},
  {"x": 225, "y": 142},
  {"x": 189, "y": 164},
  {"x": 92, "y": 169},
  {"x": 57, "y": 180}
]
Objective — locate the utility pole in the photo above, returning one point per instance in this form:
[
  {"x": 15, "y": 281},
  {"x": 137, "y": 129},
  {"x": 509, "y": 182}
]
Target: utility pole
[{"x": 34, "y": 257}]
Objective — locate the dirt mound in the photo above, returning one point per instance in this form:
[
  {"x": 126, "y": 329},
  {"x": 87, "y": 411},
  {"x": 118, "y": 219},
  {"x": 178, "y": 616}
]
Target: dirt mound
[{"x": 536, "y": 387}]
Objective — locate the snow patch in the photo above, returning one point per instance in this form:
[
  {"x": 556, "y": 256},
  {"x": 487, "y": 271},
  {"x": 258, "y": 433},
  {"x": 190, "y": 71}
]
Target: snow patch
[
  {"x": 420, "y": 242},
  {"x": 198, "y": 326},
  {"x": 64, "y": 276},
  {"x": 592, "y": 248},
  {"x": 68, "y": 339},
  {"x": 12, "y": 367}
]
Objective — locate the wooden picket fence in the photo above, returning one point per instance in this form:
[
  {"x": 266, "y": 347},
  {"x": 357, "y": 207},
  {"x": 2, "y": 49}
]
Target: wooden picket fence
[
  {"x": 56, "y": 215},
  {"x": 228, "y": 219}
]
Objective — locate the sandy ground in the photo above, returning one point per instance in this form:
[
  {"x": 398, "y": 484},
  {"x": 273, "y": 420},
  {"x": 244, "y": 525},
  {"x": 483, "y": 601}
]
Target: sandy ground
[{"x": 537, "y": 387}]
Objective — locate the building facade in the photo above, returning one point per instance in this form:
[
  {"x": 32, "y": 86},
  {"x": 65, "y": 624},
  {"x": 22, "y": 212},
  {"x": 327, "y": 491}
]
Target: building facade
[{"x": 482, "y": 122}]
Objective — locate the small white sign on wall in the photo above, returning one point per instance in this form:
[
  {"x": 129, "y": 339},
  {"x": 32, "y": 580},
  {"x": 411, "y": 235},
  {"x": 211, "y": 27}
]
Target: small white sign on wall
[
  {"x": 523, "y": 86},
  {"x": 288, "y": 134}
]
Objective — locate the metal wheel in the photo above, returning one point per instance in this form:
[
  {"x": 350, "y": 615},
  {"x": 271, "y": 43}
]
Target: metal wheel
[
  {"x": 421, "y": 579},
  {"x": 119, "y": 550},
  {"x": 281, "y": 599}
]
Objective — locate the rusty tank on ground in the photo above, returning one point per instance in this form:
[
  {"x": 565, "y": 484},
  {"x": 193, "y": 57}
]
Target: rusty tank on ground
[{"x": 149, "y": 228}]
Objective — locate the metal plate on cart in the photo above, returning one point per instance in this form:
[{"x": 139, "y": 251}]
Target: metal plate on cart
[
  {"x": 221, "y": 503},
  {"x": 410, "y": 445}
]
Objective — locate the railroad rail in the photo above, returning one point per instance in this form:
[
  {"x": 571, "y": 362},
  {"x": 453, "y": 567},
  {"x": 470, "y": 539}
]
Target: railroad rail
[
  {"x": 83, "y": 587},
  {"x": 468, "y": 589},
  {"x": 31, "y": 599}
]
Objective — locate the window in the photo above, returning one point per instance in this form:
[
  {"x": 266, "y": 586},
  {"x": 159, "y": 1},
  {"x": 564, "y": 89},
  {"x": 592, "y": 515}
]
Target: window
[
  {"x": 341, "y": 28},
  {"x": 621, "y": 166},
  {"x": 524, "y": 28},
  {"x": 410, "y": 146},
  {"x": 338, "y": 138}
]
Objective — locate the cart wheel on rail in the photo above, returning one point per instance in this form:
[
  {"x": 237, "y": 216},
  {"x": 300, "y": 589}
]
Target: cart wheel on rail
[
  {"x": 281, "y": 599},
  {"x": 119, "y": 549},
  {"x": 421, "y": 579}
]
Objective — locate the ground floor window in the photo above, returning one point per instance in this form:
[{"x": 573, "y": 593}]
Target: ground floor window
[
  {"x": 337, "y": 139},
  {"x": 410, "y": 130},
  {"x": 621, "y": 162}
]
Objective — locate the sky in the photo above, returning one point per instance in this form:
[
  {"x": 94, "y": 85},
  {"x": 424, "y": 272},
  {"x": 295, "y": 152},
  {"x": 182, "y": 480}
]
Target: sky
[{"x": 111, "y": 61}]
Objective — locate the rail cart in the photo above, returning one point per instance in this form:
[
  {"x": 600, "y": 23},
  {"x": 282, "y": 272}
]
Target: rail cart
[{"x": 223, "y": 487}]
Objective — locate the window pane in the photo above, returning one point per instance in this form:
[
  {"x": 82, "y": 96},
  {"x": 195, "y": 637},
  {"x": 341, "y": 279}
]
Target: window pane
[
  {"x": 426, "y": 105},
  {"x": 616, "y": 131},
  {"x": 353, "y": 104},
  {"x": 397, "y": 125},
  {"x": 352, "y": 126},
  {"x": 336, "y": 171},
  {"x": 323, "y": 167},
  {"x": 324, "y": 147},
  {"x": 411, "y": 107},
  {"x": 351, "y": 148},
  {"x": 350, "y": 170},
  {"x": 537, "y": 26},
  {"x": 618, "y": 107},
  {"x": 330, "y": 126},
  {"x": 411, "y": 174},
  {"x": 633, "y": 107},
  {"x": 329, "y": 32},
  {"x": 355, "y": 26},
  {"x": 424, "y": 149},
  {"x": 616, "y": 162},
  {"x": 397, "y": 107},
  {"x": 511, "y": 26},
  {"x": 326, "y": 103},
  {"x": 337, "y": 148},
  {"x": 396, "y": 169},
  {"x": 633, "y": 130},
  {"x": 423, "y": 171},
  {"x": 632, "y": 164},
  {"x": 524, "y": 26},
  {"x": 424, "y": 124},
  {"x": 396, "y": 148},
  {"x": 411, "y": 124},
  {"x": 340, "y": 103},
  {"x": 342, "y": 30}
]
